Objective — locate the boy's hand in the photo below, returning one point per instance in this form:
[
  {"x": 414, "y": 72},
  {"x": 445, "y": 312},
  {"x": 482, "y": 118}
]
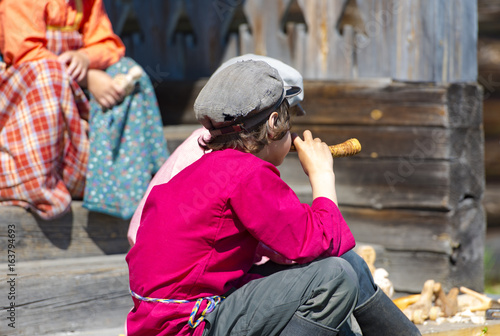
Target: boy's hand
[
  {"x": 104, "y": 89},
  {"x": 314, "y": 155},
  {"x": 317, "y": 162},
  {"x": 77, "y": 64}
]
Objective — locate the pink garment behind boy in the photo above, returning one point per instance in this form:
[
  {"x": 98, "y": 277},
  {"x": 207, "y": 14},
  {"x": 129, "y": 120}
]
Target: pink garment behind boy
[{"x": 187, "y": 153}]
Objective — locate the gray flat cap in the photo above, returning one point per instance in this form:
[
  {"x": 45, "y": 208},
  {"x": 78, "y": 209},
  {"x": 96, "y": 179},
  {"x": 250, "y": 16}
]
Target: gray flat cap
[
  {"x": 241, "y": 96},
  {"x": 289, "y": 75}
]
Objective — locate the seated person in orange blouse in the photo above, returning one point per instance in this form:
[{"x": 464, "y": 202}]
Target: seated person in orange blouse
[{"x": 53, "y": 49}]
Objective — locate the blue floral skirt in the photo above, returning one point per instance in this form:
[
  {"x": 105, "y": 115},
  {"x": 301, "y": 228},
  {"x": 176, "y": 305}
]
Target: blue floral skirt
[{"x": 127, "y": 147}]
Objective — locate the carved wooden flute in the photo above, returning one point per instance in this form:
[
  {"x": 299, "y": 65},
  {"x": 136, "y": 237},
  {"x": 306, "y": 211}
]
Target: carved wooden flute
[{"x": 346, "y": 148}]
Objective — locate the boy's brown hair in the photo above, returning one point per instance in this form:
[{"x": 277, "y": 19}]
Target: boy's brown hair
[
  {"x": 253, "y": 140},
  {"x": 237, "y": 102}
]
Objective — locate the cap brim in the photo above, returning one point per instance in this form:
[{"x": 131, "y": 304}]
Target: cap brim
[{"x": 292, "y": 91}]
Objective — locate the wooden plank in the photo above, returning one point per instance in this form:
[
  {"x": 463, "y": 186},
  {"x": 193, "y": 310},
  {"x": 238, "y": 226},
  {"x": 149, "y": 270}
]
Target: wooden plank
[
  {"x": 79, "y": 233},
  {"x": 176, "y": 100},
  {"x": 368, "y": 102},
  {"x": 440, "y": 48},
  {"x": 210, "y": 29},
  {"x": 68, "y": 294},
  {"x": 467, "y": 260},
  {"x": 299, "y": 57},
  {"x": 491, "y": 116},
  {"x": 409, "y": 270},
  {"x": 118, "y": 12},
  {"x": 467, "y": 42},
  {"x": 347, "y": 48},
  {"x": 492, "y": 158},
  {"x": 440, "y": 245},
  {"x": 492, "y": 204},
  {"x": 460, "y": 329},
  {"x": 419, "y": 143},
  {"x": 268, "y": 37},
  {"x": 324, "y": 57},
  {"x": 401, "y": 183},
  {"x": 232, "y": 49},
  {"x": 491, "y": 105},
  {"x": 489, "y": 63},
  {"x": 436, "y": 41},
  {"x": 373, "y": 103},
  {"x": 409, "y": 40},
  {"x": 158, "y": 49},
  {"x": 391, "y": 103},
  {"x": 403, "y": 229},
  {"x": 407, "y": 184},
  {"x": 374, "y": 44}
]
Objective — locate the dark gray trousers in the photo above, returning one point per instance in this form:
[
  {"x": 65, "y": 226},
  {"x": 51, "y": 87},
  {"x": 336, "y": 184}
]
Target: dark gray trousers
[{"x": 324, "y": 291}]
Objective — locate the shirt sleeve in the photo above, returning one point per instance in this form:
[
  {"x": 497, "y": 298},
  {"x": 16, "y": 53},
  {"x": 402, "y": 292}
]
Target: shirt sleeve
[
  {"x": 273, "y": 214},
  {"x": 22, "y": 31},
  {"x": 101, "y": 44}
]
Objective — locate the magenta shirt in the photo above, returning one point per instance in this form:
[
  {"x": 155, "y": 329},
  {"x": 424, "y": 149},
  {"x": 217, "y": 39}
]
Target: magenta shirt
[{"x": 199, "y": 232}]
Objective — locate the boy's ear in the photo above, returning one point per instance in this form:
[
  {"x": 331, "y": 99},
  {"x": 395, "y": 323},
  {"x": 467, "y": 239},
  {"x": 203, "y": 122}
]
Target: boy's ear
[{"x": 272, "y": 120}]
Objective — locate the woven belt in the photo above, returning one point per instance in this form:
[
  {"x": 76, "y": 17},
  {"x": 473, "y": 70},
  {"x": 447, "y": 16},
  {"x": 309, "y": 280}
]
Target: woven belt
[{"x": 213, "y": 301}]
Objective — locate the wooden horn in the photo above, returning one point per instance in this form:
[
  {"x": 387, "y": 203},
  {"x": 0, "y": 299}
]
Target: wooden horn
[{"x": 346, "y": 148}]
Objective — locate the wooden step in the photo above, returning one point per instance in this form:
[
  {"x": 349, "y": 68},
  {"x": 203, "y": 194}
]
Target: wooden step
[
  {"x": 65, "y": 295},
  {"x": 117, "y": 331},
  {"x": 89, "y": 297},
  {"x": 460, "y": 329},
  {"x": 79, "y": 233}
]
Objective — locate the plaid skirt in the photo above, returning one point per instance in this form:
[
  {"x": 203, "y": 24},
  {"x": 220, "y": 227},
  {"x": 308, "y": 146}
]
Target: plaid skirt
[
  {"x": 44, "y": 147},
  {"x": 43, "y": 142}
]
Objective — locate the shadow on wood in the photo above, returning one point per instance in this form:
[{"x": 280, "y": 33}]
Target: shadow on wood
[
  {"x": 57, "y": 231},
  {"x": 176, "y": 97},
  {"x": 79, "y": 233},
  {"x": 108, "y": 233}
]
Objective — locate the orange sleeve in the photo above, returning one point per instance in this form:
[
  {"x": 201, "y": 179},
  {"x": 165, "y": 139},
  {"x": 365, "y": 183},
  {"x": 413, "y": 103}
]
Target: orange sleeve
[
  {"x": 22, "y": 31},
  {"x": 102, "y": 45}
]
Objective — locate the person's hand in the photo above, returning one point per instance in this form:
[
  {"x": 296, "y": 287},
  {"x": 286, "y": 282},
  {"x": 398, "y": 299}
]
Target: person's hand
[
  {"x": 314, "y": 155},
  {"x": 101, "y": 85},
  {"x": 77, "y": 64},
  {"x": 317, "y": 162}
]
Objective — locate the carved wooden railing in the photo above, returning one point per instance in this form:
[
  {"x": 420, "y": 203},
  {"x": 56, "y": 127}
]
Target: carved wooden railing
[{"x": 408, "y": 40}]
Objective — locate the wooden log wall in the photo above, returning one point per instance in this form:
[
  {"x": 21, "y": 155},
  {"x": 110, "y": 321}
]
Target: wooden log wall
[
  {"x": 489, "y": 79},
  {"x": 417, "y": 185},
  {"x": 398, "y": 75},
  {"x": 407, "y": 40}
]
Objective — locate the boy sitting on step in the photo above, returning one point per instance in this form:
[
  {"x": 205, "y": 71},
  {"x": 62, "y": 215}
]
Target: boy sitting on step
[{"x": 190, "y": 266}]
